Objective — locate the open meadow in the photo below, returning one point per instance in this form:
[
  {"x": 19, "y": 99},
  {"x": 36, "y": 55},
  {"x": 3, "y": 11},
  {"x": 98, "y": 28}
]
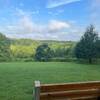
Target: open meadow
[{"x": 17, "y": 79}]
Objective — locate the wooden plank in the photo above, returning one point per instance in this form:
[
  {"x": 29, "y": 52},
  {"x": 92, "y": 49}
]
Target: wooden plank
[
  {"x": 69, "y": 94},
  {"x": 70, "y": 86}
]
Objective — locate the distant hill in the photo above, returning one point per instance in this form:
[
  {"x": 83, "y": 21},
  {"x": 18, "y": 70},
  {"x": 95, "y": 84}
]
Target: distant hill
[{"x": 26, "y": 48}]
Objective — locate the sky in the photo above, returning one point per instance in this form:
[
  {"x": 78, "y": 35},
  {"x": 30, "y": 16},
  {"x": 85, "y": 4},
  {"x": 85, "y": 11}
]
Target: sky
[{"x": 64, "y": 20}]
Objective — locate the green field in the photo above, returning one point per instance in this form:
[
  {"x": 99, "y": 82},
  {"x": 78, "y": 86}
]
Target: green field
[{"x": 16, "y": 79}]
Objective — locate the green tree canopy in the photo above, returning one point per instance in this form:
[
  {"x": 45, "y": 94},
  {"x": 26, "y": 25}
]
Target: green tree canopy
[
  {"x": 86, "y": 47},
  {"x": 43, "y": 53},
  {"x": 98, "y": 47},
  {"x": 4, "y": 48}
]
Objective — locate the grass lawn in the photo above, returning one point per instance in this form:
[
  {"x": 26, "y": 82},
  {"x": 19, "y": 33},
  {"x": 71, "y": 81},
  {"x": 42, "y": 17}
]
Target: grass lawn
[{"x": 16, "y": 79}]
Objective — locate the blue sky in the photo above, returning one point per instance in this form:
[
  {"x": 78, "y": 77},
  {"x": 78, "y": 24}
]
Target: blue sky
[{"x": 48, "y": 19}]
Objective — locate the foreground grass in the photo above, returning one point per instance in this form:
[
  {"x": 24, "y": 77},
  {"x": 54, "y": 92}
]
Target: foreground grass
[{"x": 16, "y": 79}]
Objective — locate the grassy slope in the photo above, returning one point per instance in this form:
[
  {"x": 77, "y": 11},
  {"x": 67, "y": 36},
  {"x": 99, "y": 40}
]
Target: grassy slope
[{"x": 16, "y": 79}]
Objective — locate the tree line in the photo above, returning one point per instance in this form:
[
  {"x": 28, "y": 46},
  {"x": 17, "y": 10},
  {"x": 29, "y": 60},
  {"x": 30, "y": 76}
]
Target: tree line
[{"x": 88, "y": 48}]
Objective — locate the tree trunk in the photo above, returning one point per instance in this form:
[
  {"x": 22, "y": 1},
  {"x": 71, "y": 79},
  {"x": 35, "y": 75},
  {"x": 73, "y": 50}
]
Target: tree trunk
[{"x": 90, "y": 60}]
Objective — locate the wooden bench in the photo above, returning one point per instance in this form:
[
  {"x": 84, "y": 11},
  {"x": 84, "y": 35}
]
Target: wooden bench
[{"x": 67, "y": 91}]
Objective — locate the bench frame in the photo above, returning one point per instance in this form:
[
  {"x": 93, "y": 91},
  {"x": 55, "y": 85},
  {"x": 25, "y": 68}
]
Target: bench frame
[{"x": 41, "y": 87}]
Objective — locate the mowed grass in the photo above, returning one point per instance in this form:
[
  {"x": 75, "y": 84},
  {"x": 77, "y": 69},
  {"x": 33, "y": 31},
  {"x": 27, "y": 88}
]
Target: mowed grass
[{"x": 16, "y": 79}]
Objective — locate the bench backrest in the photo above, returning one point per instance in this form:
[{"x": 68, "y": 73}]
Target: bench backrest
[{"x": 67, "y": 91}]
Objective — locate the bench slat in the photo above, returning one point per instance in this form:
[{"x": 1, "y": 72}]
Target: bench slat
[
  {"x": 69, "y": 94},
  {"x": 71, "y": 86}
]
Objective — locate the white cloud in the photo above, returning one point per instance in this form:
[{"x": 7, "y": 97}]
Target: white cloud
[
  {"x": 25, "y": 24},
  {"x": 55, "y": 25},
  {"x": 20, "y": 12},
  {"x": 56, "y": 13},
  {"x": 56, "y": 3}
]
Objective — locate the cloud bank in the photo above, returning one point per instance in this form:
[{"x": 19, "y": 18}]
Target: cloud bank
[{"x": 25, "y": 27}]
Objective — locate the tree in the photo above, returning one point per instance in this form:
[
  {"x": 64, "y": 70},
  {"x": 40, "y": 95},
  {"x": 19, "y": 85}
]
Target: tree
[
  {"x": 4, "y": 48},
  {"x": 98, "y": 47},
  {"x": 86, "y": 47},
  {"x": 43, "y": 53}
]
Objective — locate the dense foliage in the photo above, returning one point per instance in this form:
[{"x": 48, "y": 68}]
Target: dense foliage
[
  {"x": 4, "y": 48},
  {"x": 87, "y": 46},
  {"x": 43, "y": 53},
  {"x": 98, "y": 48}
]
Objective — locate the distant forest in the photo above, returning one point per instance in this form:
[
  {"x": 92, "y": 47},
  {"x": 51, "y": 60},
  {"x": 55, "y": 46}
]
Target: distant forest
[
  {"x": 25, "y": 49},
  {"x": 88, "y": 48}
]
